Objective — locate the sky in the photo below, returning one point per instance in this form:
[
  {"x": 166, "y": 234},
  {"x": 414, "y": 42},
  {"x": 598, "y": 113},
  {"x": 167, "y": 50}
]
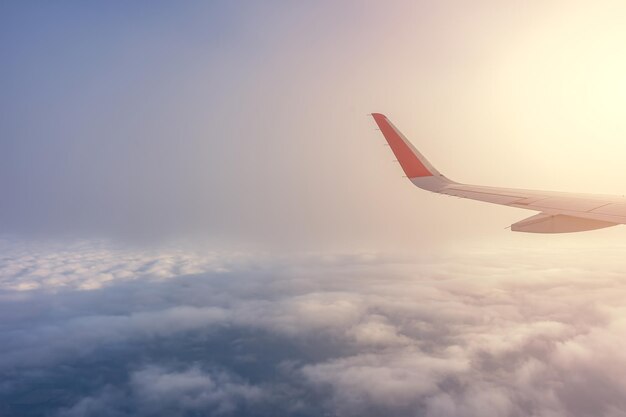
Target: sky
[
  {"x": 249, "y": 122},
  {"x": 198, "y": 216}
]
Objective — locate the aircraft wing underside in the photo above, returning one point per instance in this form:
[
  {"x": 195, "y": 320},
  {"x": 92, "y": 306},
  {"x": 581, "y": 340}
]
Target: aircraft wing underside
[{"x": 558, "y": 212}]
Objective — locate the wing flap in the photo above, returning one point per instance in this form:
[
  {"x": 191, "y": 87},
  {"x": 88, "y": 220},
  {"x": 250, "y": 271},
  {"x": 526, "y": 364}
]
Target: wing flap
[{"x": 559, "y": 223}]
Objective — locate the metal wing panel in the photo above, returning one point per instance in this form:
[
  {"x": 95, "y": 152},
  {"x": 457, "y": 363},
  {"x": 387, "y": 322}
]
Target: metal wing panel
[
  {"x": 491, "y": 197},
  {"x": 613, "y": 209},
  {"x": 593, "y": 207}
]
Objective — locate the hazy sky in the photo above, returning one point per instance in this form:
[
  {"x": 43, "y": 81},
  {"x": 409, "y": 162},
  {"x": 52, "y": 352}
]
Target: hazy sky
[
  {"x": 248, "y": 122},
  {"x": 197, "y": 216}
]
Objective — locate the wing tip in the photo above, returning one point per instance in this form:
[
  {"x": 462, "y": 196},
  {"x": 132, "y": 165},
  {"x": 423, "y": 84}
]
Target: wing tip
[{"x": 412, "y": 162}]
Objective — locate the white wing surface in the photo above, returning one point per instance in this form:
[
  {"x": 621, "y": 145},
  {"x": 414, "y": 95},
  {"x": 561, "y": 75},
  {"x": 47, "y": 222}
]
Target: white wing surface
[{"x": 558, "y": 212}]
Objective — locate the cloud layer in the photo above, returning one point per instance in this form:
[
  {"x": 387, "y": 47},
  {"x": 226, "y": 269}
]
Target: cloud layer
[{"x": 90, "y": 329}]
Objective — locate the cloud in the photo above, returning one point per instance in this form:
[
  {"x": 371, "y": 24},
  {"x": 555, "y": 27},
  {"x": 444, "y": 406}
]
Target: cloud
[
  {"x": 482, "y": 333},
  {"x": 88, "y": 265},
  {"x": 157, "y": 391},
  {"x": 192, "y": 389}
]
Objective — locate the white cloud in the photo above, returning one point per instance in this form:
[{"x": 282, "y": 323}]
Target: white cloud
[
  {"x": 154, "y": 390},
  {"x": 192, "y": 389},
  {"x": 90, "y": 265},
  {"x": 491, "y": 333}
]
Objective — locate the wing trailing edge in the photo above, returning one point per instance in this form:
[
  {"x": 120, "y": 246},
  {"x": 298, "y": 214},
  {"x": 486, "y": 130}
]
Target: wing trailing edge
[{"x": 558, "y": 223}]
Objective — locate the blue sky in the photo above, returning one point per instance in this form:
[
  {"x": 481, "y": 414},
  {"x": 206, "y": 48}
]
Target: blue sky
[{"x": 118, "y": 112}]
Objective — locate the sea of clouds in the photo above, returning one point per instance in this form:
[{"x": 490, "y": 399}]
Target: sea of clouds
[{"x": 91, "y": 328}]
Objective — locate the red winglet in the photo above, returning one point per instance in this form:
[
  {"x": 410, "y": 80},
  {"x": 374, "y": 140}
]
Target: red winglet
[{"x": 409, "y": 162}]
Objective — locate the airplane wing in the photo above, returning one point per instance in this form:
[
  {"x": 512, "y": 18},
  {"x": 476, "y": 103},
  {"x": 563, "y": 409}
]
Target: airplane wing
[{"x": 558, "y": 212}]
